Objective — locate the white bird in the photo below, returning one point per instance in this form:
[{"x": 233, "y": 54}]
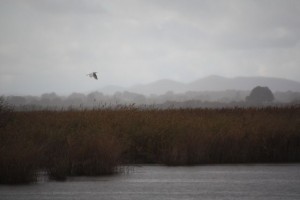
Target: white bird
[{"x": 93, "y": 75}]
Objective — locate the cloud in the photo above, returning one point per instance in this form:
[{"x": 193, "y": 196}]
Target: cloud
[
  {"x": 66, "y": 7},
  {"x": 50, "y": 45}
]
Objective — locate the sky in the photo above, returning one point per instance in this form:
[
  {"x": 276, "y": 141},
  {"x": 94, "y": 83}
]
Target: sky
[{"x": 50, "y": 45}]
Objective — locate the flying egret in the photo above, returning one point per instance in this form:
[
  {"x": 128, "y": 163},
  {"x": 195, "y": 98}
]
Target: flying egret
[{"x": 93, "y": 75}]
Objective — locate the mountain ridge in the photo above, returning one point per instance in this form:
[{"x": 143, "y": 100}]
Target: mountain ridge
[{"x": 215, "y": 83}]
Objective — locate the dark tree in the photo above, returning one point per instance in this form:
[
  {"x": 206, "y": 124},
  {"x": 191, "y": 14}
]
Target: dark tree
[
  {"x": 260, "y": 95},
  {"x": 16, "y": 100}
]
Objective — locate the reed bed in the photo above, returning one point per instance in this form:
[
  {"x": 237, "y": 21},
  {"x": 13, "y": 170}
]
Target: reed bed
[{"x": 96, "y": 142}]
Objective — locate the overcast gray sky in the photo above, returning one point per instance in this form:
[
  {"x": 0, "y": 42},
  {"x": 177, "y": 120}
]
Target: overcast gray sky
[{"x": 50, "y": 45}]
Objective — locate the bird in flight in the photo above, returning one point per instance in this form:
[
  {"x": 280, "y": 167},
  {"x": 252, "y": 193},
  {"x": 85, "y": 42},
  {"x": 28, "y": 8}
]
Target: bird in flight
[{"x": 93, "y": 75}]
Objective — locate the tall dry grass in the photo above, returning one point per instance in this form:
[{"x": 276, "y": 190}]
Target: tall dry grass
[{"x": 96, "y": 142}]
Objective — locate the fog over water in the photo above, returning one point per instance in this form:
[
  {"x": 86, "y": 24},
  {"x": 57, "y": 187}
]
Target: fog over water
[{"x": 50, "y": 45}]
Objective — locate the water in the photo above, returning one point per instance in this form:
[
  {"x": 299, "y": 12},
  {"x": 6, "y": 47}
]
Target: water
[{"x": 160, "y": 182}]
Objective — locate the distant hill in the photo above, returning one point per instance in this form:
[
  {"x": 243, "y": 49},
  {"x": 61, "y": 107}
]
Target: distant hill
[
  {"x": 159, "y": 87},
  {"x": 111, "y": 89},
  {"x": 215, "y": 83}
]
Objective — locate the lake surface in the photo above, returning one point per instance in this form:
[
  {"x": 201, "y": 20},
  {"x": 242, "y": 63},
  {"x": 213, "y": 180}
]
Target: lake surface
[{"x": 160, "y": 182}]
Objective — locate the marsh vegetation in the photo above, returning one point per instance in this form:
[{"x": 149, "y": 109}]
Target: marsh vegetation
[{"x": 96, "y": 142}]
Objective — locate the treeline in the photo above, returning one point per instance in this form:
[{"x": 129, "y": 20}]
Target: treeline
[
  {"x": 96, "y": 142},
  {"x": 229, "y": 98}
]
